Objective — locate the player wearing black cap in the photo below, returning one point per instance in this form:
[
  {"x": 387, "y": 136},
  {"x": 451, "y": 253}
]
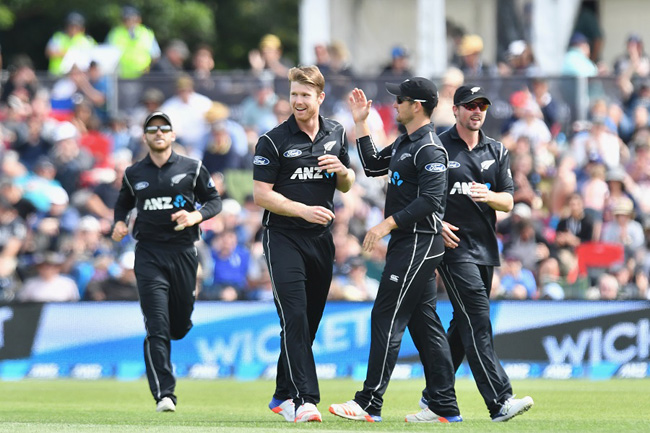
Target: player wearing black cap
[
  {"x": 416, "y": 165},
  {"x": 480, "y": 183},
  {"x": 297, "y": 167},
  {"x": 164, "y": 187}
]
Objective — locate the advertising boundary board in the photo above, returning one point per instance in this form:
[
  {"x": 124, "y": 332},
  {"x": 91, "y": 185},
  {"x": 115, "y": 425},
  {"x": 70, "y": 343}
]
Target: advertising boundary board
[{"x": 534, "y": 339}]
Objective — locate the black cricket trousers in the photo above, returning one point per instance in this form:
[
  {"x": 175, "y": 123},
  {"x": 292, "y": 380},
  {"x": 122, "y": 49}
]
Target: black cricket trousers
[
  {"x": 407, "y": 297},
  {"x": 300, "y": 265},
  {"x": 166, "y": 277},
  {"x": 470, "y": 330}
]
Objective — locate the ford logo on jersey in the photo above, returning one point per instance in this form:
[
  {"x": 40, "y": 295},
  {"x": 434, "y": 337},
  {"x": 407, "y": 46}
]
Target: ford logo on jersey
[
  {"x": 435, "y": 167},
  {"x": 260, "y": 160},
  {"x": 292, "y": 153},
  {"x": 454, "y": 164},
  {"x": 140, "y": 185}
]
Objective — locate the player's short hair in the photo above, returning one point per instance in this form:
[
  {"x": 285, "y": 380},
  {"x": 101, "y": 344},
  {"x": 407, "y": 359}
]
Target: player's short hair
[{"x": 308, "y": 75}]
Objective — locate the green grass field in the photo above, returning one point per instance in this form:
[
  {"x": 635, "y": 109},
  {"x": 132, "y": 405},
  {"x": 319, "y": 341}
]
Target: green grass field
[{"x": 229, "y": 406}]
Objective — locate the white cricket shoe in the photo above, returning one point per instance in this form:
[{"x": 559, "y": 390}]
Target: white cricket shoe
[
  {"x": 352, "y": 410},
  {"x": 427, "y": 415},
  {"x": 308, "y": 413},
  {"x": 513, "y": 407},
  {"x": 285, "y": 408},
  {"x": 166, "y": 405}
]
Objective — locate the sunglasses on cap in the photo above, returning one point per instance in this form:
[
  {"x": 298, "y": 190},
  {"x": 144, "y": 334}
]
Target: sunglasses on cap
[
  {"x": 155, "y": 128},
  {"x": 471, "y": 106},
  {"x": 401, "y": 99}
]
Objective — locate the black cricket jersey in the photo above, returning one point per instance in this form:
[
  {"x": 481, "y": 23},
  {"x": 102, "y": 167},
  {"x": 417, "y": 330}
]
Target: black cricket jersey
[
  {"x": 158, "y": 192},
  {"x": 287, "y": 158},
  {"x": 488, "y": 163},
  {"x": 416, "y": 165}
]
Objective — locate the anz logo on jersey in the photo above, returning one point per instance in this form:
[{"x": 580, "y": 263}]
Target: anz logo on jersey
[
  {"x": 309, "y": 173},
  {"x": 463, "y": 188},
  {"x": 164, "y": 203}
]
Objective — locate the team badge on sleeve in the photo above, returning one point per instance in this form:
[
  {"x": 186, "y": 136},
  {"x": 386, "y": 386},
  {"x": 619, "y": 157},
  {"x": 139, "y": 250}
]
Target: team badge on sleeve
[
  {"x": 435, "y": 167},
  {"x": 260, "y": 160}
]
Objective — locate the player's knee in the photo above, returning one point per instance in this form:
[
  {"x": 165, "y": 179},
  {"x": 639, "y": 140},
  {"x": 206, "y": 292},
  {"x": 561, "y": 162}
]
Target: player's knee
[{"x": 178, "y": 333}]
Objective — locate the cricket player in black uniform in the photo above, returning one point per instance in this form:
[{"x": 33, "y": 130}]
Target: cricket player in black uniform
[
  {"x": 416, "y": 165},
  {"x": 297, "y": 167},
  {"x": 480, "y": 183},
  {"x": 165, "y": 187}
]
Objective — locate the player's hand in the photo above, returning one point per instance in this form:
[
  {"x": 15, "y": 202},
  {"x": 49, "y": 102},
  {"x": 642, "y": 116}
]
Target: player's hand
[
  {"x": 359, "y": 105},
  {"x": 479, "y": 192},
  {"x": 119, "y": 231},
  {"x": 317, "y": 215},
  {"x": 331, "y": 164},
  {"x": 377, "y": 232},
  {"x": 448, "y": 235},
  {"x": 186, "y": 219}
]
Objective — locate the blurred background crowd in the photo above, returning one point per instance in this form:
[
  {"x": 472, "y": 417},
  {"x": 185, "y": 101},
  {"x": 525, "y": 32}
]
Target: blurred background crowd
[{"x": 579, "y": 230}]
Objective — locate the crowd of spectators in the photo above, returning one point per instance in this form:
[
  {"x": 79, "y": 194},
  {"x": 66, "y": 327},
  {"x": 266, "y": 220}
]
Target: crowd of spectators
[{"x": 63, "y": 155}]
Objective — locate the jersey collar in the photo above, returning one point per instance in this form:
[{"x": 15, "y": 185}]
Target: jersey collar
[
  {"x": 421, "y": 132},
  {"x": 294, "y": 128},
  {"x": 482, "y": 138},
  {"x": 172, "y": 159}
]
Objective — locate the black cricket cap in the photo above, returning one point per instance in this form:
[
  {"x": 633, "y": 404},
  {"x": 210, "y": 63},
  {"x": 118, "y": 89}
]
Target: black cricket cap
[
  {"x": 157, "y": 114},
  {"x": 416, "y": 88},
  {"x": 469, "y": 93}
]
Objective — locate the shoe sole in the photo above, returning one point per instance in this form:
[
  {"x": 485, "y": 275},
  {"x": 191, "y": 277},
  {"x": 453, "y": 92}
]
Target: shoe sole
[
  {"x": 311, "y": 418},
  {"x": 352, "y": 416},
  {"x": 524, "y": 409},
  {"x": 441, "y": 419}
]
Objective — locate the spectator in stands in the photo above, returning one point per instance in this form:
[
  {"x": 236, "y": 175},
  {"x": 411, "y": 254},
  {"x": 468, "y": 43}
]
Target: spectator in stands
[
  {"x": 187, "y": 111},
  {"x": 517, "y": 281},
  {"x": 526, "y": 243},
  {"x": 120, "y": 285},
  {"x": 634, "y": 62},
  {"x": 281, "y": 110},
  {"x": 69, "y": 158},
  {"x": 520, "y": 60},
  {"x": 624, "y": 229},
  {"x": 259, "y": 279},
  {"x": 202, "y": 67},
  {"x": 96, "y": 87},
  {"x": 267, "y": 62},
  {"x": 230, "y": 268},
  {"x": 399, "y": 67},
  {"x": 173, "y": 59},
  {"x": 544, "y": 99},
  {"x": 577, "y": 226},
  {"x": 13, "y": 193},
  {"x": 548, "y": 280},
  {"x": 73, "y": 37},
  {"x": 49, "y": 285},
  {"x": 577, "y": 60},
  {"x": 256, "y": 110},
  {"x": 38, "y": 186},
  {"x": 136, "y": 42},
  {"x": 32, "y": 142},
  {"x": 22, "y": 77},
  {"x": 353, "y": 284},
  {"x": 13, "y": 233},
  {"x": 101, "y": 200},
  {"x": 339, "y": 61},
  {"x": 443, "y": 116},
  {"x": 607, "y": 289},
  {"x": 470, "y": 52},
  {"x": 52, "y": 229},
  {"x": 226, "y": 144},
  {"x": 595, "y": 190}
]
